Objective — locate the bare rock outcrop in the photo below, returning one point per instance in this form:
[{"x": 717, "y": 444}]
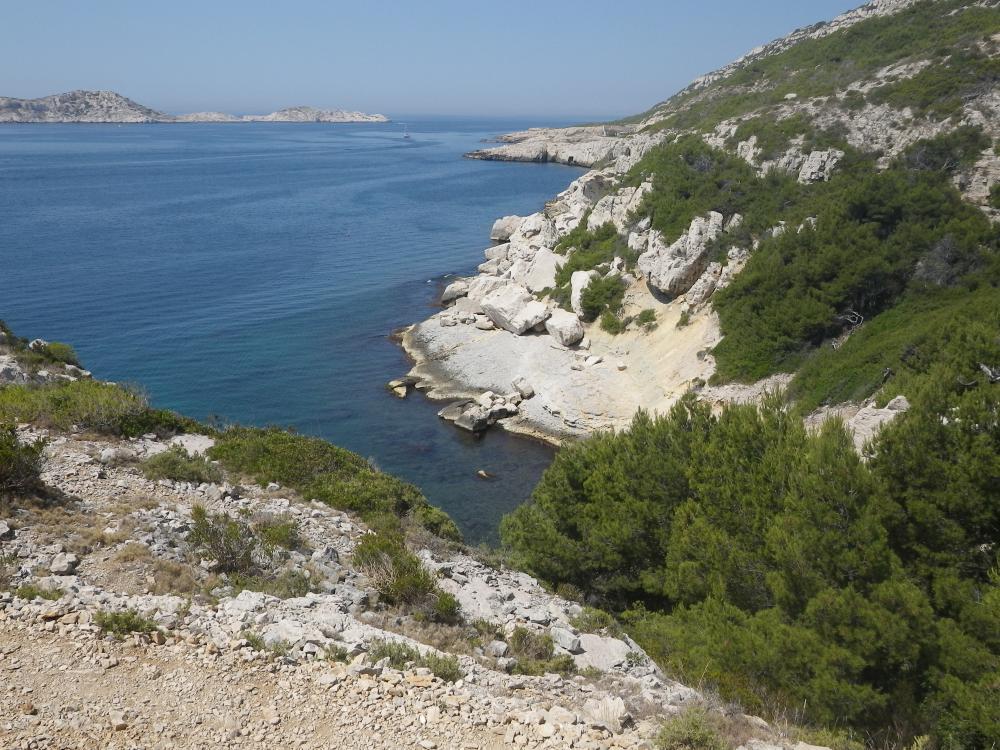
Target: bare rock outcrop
[{"x": 672, "y": 269}]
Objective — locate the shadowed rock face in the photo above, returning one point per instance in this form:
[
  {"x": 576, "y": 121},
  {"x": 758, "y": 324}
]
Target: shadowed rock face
[{"x": 108, "y": 106}]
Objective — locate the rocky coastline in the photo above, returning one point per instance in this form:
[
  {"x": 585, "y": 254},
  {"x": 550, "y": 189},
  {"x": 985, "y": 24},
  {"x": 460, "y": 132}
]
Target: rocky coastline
[{"x": 501, "y": 326}]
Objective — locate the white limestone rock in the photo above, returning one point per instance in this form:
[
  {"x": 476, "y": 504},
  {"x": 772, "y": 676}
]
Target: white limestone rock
[
  {"x": 538, "y": 272},
  {"x": 819, "y": 165},
  {"x": 564, "y": 327},
  {"x": 673, "y": 269},
  {"x": 512, "y": 308},
  {"x": 504, "y": 227},
  {"x": 454, "y": 290},
  {"x": 618, "y": 207}
]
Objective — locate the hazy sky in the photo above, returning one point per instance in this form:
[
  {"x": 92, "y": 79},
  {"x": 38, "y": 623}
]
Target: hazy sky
[{"x": 519, "y": 57}]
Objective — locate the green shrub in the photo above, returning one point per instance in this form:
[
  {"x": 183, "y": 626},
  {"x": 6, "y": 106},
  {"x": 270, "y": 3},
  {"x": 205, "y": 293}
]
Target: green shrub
[
  {"x": 995, "y": 196},
  {"x": 275, "y": 455},
  {"x": 20, "y": 464},
  {"x": 646, "y": 319},
  {"x": 777, "y": 567},
  {"x": 175, "y": 464},
  {"x": 325, "y": 472},
  {"x": 124, "y": 622},
  {"x": 30, "y": 591},
  {"x": 59, "y": 352},
  {"x": 92, "y": 405},
  {"x": 695, "y": 729},
  {"x": 402, "y": 656},
  {"x": 602, "y": 294},
  {"x": 398, "y": 575},
  {"x": 940, "y": 90},
  {"x": 612, "y": 323},
  {"x": 278, "y": 532},
  {"x": 229, "y": 541},
  {"x": 877, "y": 236},
  {"x": 535, "y": 654}
]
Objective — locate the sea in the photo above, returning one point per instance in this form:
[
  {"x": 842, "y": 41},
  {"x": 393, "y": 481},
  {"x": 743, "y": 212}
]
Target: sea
[{"x": 254, "y": 273}]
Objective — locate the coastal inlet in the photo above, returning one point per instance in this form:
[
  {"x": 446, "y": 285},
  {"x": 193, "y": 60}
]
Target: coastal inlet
[{"x": 254, "y": 272}]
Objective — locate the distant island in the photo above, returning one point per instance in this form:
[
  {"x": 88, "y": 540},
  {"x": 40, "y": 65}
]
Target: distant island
[{"x": 109, "y": 106}]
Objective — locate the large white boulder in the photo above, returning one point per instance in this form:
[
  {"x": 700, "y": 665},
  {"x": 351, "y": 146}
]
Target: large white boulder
[
  {"x": 673, "y": 269},
  {"x": 564, "y": 327},
  {"x": 454, "y": 290},
  {"x": 512, "y": 308},
  {"x": 503, "y": 228},
  {"x": 579, "y": 281},
  {"x": 538, "y": 272},
  {"x": 482, "y": 286},
  {"x": 534, "y": 232}
]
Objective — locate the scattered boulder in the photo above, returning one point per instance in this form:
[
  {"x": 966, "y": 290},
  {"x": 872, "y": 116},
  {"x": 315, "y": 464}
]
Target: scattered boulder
[
  {"x": 503, "y": 228},
  {"x": 523, "y": 387},
  {"x": 564, "y": 327},
  {"x": 454, "y": 290},
  {"x": 512, "y": 308},
  {"x": 565, "y": 639},
  {"x": 64, "y": 564},
  {"x": 6, "y": 532},
  {"x": 601, "y": 652}
]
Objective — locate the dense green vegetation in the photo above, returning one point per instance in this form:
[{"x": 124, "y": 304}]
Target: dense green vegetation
[
  {"x": 825, "y": 66},
  {"x": 20, "y": 465},
  {"x": 91, "y": 405},
  {"x": 780, "y": 567},
  {"x": 879, "y": 238},
  {"x": 175, "y": 464},
  {"x": 326, "y": 472},
  {"x": 400, "y": 578},
  {"x": 690, "y": 178},
  {"x": 940, "y": 90}
]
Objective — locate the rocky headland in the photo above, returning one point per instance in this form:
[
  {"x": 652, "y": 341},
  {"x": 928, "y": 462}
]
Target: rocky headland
[
  {"x": 501, "y": 330},
  {"x": 110, "y": 107}
]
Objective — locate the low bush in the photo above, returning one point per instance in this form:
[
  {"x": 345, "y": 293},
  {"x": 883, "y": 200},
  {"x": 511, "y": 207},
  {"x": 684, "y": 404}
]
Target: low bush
[
  {"x": 695, "y": 729},
  {"x": 20, "y": 464},
  {"x": 535, "y": 654},
  {"x": 401, "y": 579},
  {"x": 612, "y": 324},
  {"x": 64, "y": 353},
  {"x": 277, "y": 532},
  {"x": 124, "y": 622},
  {"x": 30, "y": 591},
  {"x": 402, "y": 656},
  {"x": 175, "y": 464},
  {"x": 646, "y": 319},
  {"x": 325, "y": 472},
  {"x": 602, "y": 294},
  {"x": 229, "y": 541},
  {"x": 91, "y": 405}
]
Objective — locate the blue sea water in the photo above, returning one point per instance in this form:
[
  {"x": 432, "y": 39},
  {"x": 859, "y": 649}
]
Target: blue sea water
[{"x": 255, "y": 271}]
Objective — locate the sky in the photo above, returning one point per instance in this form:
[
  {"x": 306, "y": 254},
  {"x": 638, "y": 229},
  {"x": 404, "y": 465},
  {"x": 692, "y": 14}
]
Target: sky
[{"x": 518, "y": 58}]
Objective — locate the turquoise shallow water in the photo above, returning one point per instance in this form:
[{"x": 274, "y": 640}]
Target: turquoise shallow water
[{"x": 254, "y": 272}]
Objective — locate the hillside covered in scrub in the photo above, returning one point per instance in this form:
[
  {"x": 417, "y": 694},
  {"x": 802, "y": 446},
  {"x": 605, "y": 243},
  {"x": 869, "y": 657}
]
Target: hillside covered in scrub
[{"x": 818, "y": 219}]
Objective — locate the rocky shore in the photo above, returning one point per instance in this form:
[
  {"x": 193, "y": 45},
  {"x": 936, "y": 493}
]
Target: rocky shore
[{"x": 501, "y": 326}]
